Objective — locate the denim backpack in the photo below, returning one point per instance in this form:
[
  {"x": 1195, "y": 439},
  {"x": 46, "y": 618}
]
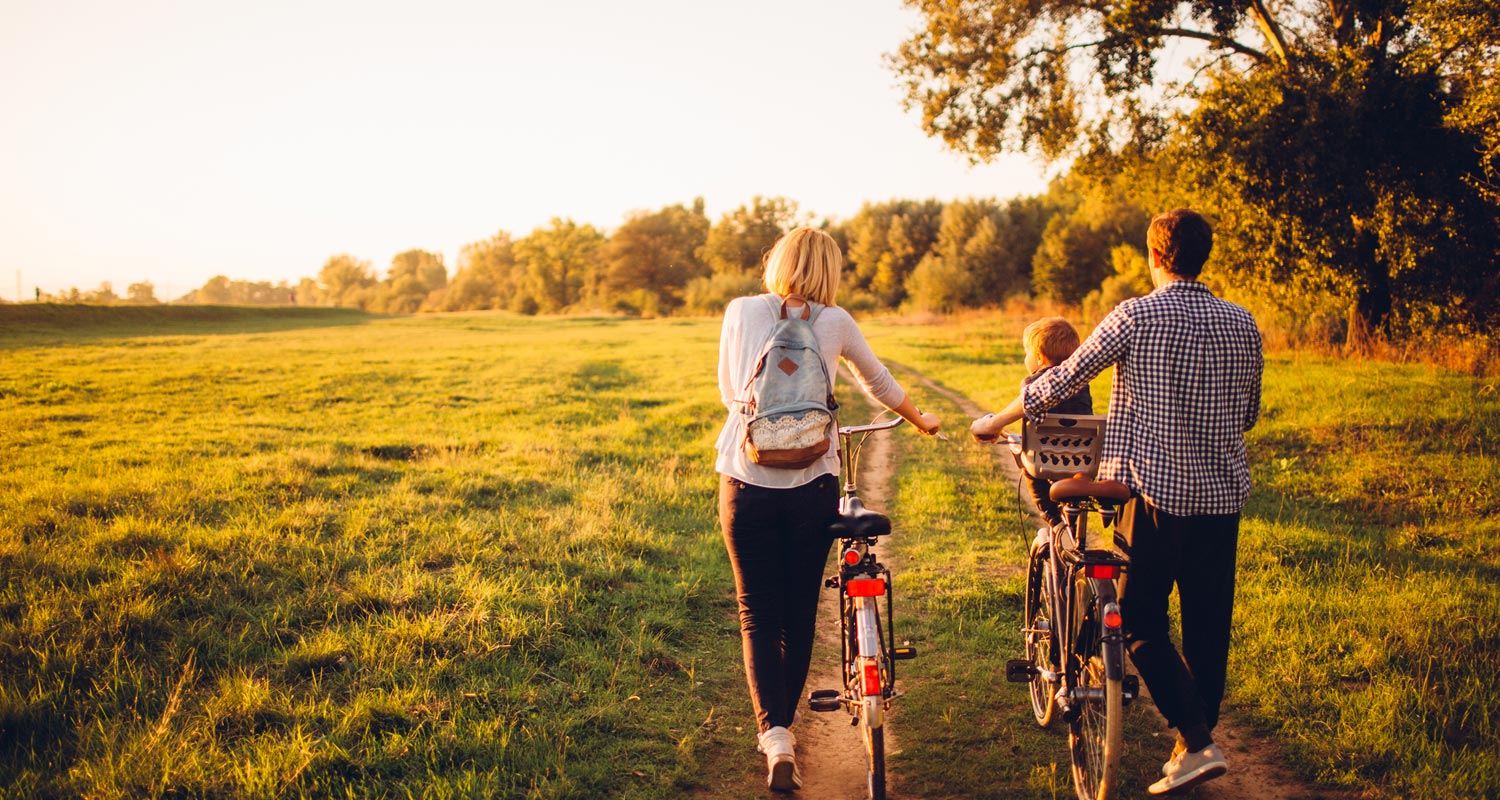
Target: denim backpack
[{"x": 789, "y": 399}]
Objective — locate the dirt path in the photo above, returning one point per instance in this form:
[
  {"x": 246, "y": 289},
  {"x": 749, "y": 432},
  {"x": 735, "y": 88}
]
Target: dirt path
[{"x": 1257, "y": 769}]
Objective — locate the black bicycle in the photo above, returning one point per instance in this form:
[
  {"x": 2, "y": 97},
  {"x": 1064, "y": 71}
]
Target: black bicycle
[
  {"x": 869, "y": 647},
  {"x": 1071, "y": 623}
]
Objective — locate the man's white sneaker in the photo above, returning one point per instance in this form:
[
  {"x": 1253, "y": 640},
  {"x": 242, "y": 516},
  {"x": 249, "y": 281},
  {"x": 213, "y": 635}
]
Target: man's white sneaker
[
  {"x": 1191, "y": 769},
  {"x": 781, "y": 763}
]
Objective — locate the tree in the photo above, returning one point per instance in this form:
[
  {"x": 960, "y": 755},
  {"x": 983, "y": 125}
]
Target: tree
[
  {"x": 982, "y": 254},
  {"x": 652, "y": 256},
  {"x": 1131, "y": 278},
  {"x": 307, "y": 293},
  {"x": 345, "y": 281},
  {"x": 215, "y": 292},
  {"x": 1075, "y": 254},
  {"x": 740, "y": 240},
  {"x": 1349, "y": 145},
  {"x": 561, "y": 265},
  {"x": 104, "y": 295},
  {"x": 413, "y": 277},
  {"x": 887, "y": 241},
  {"x": 486, "y": 277},
  {"x": 141, "y": 294}
]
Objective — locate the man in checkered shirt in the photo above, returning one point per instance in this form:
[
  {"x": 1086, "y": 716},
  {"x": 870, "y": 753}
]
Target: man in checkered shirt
[{"x": 1186, "y": 388}]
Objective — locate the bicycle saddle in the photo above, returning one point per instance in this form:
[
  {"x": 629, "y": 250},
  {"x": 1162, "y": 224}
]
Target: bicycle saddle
[
  {"x": 1080, "y": 487},
  {"x": 857, "y": 522}
]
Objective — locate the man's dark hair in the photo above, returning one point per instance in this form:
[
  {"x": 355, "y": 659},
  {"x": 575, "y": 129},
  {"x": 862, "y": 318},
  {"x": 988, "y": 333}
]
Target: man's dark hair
[{"x": 1182, "y": 239}]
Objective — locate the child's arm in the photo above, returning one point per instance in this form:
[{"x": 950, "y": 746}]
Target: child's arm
[{"x": 988, "y": 427}]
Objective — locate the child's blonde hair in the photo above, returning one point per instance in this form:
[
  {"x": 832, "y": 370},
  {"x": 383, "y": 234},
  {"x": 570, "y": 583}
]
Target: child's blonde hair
[
  {"x": 1053, "y": 337},
  {"x": 805, "y": 261}
]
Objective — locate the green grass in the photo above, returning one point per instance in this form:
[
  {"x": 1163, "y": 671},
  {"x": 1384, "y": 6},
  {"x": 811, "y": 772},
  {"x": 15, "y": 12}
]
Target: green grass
[
  {"x": 1367, "y": 616},
  {"x": 435, "y": 556},
  {"x": 297, "y": 553},
  {"x": 32, "y": 324}
]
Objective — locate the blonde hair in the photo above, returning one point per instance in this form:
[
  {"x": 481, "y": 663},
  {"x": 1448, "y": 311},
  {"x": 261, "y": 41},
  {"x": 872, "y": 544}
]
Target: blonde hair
[
  {"x": 805, "y": 261},
  {"x": 1053, "y": 337}
]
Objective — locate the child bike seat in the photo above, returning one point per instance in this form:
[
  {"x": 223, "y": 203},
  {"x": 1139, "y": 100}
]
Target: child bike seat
[{"x": 857, "y": 522}]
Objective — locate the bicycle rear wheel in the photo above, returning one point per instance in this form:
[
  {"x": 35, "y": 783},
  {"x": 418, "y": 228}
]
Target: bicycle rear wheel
[
  {"x": 1036, "y": 617},
  {"x": 871, "y": 696},
  {"x": 875, "y": 758},
  {"x": 1096, "y": 736}
]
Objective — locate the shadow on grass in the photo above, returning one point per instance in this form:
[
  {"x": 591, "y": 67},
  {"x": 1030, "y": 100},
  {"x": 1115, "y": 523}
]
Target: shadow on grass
[{"x": 54, "y": 324}]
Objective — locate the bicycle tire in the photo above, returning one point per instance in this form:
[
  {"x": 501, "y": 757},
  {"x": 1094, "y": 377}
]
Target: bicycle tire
[
  {"x": 1096, "y": 735},
  {"x": 1036, "y": 617},
  {"x": 871, "y": 708},
  {"x": 875, "y": 757}
]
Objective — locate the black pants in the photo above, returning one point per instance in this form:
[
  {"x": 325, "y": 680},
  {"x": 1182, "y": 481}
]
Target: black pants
[
  {"x": 778, "y": 544},
  {"x": 1197, "y": 555}
]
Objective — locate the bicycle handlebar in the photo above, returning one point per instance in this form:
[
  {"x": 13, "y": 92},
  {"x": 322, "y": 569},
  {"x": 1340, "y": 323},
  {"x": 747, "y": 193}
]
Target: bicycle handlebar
[{"x": 850, "y": 430}]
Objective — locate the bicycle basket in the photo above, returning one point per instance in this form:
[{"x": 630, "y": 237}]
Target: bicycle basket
[{"x": 1062, "y": 445}]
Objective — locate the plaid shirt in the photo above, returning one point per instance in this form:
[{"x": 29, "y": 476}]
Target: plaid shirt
[{"x": 1186, "y": 389}]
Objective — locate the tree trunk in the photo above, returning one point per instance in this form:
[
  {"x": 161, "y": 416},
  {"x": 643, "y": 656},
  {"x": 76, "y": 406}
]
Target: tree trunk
[{"x": 1372, "y": 300}]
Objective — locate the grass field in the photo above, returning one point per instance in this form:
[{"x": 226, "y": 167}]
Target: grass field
[
  {"x": 321, "y": 554},
  {"x": 456, "y": 556}
]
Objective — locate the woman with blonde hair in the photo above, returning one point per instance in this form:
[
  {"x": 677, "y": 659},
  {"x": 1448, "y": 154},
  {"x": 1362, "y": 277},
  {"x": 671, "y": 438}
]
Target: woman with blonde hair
[{"x": 775, "y": 519}]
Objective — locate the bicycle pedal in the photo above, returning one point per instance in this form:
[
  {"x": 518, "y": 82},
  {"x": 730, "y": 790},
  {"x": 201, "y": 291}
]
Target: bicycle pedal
[
  {"x": 831, "y": 583},
  {"x": 904, "y": 653},
  {"x": 825, "y": 700},
  {"x": 1019, "y": 670},
  {"x": 1131, "y": 686}
]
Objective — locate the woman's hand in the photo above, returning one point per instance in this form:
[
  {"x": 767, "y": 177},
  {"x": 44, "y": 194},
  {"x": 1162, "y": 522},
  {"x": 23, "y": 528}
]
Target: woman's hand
[{"x": 928, "y": 424}]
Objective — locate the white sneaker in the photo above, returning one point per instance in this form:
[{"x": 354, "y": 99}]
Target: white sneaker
[
  {"x": 781, "y": 763},
  {"x": 1178, "y": 751},
  {"x": 1191, "y": 769}
]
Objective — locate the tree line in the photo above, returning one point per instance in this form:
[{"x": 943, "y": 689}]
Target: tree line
[{"x": 1067, "y": 245}]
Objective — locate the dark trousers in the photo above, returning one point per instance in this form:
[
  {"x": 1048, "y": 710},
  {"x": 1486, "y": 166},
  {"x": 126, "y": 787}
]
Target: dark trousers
[
  {"x": 1196, "y": 554},
  {"x": 778, "y": 544},
  {"x": 1041, "y": 492}
]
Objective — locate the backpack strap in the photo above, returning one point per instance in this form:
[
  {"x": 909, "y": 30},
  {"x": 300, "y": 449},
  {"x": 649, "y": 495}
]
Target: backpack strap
[
  {"x": 806, "y": 306},
  {"x": 747, "y": 406}
]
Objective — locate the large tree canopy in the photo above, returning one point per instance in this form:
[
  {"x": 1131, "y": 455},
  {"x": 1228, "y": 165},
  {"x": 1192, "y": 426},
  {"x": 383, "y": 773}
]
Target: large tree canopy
[{"x": 1351, "y": 145}]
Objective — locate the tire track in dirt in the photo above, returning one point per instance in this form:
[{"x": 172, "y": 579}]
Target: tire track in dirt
[{"x": 1257, "y": 768}]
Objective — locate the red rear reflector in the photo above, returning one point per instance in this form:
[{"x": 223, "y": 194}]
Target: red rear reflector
[
  {"x": 868, "y": 587},
  {"x": 1106, "y": 572},
  {"x": 851, "y": 557},
  {"x": 1112, "y": 619},
  {"x": 872, "y": 679}
]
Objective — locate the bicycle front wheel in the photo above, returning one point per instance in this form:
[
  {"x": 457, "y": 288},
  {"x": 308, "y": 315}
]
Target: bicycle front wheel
[
  {"x": 1037, "y": 622},
  {"x": 1096, "y": 736}
]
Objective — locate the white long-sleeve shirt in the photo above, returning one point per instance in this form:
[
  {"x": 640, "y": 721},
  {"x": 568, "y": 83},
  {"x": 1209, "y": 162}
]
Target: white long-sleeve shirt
[{"x": 747, "y": 324}]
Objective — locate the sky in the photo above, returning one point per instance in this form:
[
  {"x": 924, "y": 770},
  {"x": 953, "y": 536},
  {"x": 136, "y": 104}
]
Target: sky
[{"x": 171, "y": 142}]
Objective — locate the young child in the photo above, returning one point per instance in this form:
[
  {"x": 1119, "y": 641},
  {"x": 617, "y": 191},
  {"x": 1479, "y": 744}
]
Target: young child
[{"x": 1048, "y": 342}]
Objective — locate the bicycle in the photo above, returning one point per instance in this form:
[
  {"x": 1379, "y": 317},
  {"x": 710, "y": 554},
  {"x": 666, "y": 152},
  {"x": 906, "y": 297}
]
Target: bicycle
[
  {"x": 869, "y": 646},
  {"x": 1071, "y": 623}
]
